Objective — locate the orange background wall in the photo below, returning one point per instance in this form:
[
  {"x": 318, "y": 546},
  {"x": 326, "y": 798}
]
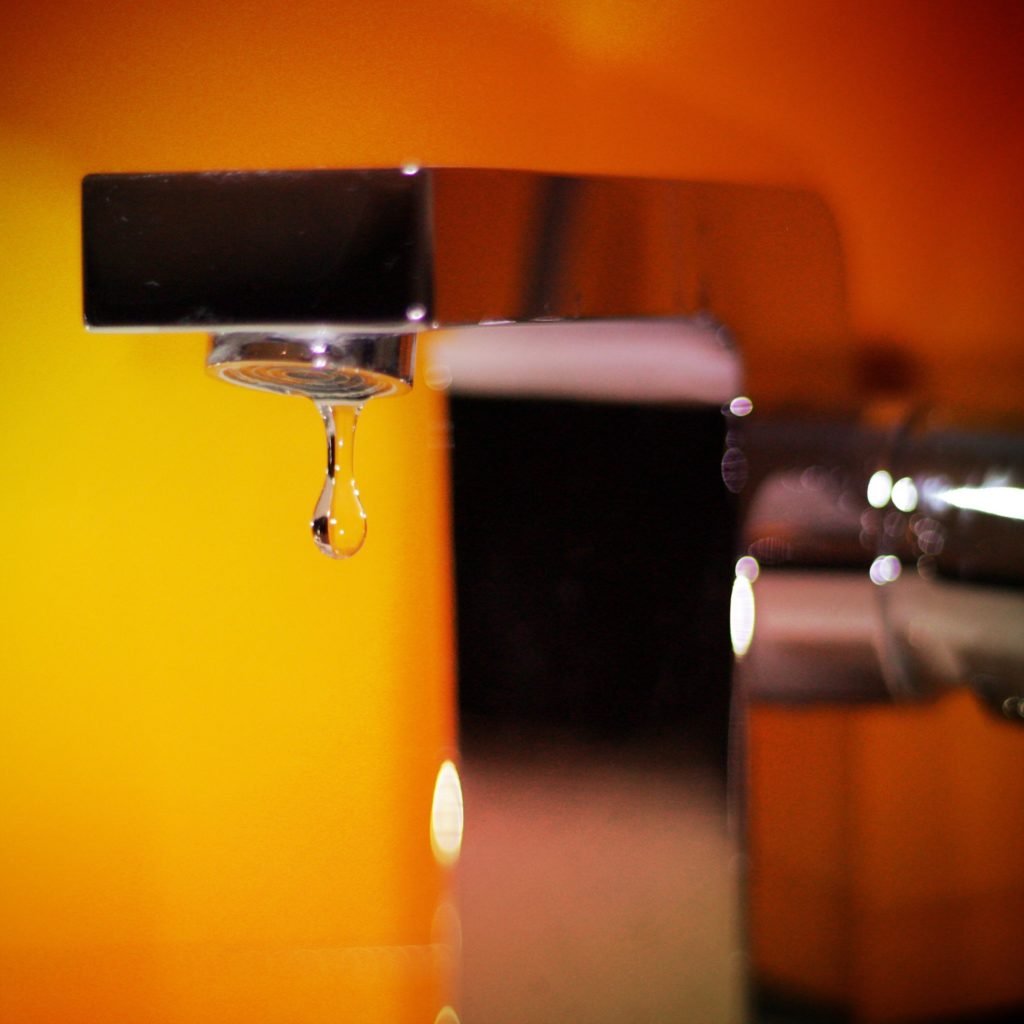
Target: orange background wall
[{"x": 906, "y": 116}]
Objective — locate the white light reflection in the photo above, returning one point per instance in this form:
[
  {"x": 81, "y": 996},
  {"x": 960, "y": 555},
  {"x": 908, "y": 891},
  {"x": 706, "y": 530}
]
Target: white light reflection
[
  {"x": 904, "y": 494},
  {"x": 741, "y": 605},
  {"x": 885, "y": 569},
  {"x": 446, "y": 816},
  {"x": 748, "y": 566},
  {"x": 741, "y": 406},
  {"x": 879, "y": 489},
  {"x": 1007, "y": 502}
]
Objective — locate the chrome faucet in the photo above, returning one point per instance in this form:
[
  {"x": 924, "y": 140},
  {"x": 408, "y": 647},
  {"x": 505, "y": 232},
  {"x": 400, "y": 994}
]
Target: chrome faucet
[
  {"x": 323, "y": 278},
  {"x": 317, "y": 283}
]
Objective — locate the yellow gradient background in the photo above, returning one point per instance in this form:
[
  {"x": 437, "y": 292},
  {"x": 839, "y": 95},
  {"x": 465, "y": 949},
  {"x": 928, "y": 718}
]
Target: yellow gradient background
[{"x": 218, "y": 746}]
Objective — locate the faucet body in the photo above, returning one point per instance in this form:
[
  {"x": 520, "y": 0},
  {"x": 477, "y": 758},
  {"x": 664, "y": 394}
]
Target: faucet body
[
  {"x": 397, "y": 251},
  {"x": 318, "y": 283}
]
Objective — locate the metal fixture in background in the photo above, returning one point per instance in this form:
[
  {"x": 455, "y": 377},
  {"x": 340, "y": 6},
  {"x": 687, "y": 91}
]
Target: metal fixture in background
[{"x": 890, "y": 561}]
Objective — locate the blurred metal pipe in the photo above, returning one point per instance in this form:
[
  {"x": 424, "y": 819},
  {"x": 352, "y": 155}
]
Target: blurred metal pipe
[{"x": 891, "y": 561}]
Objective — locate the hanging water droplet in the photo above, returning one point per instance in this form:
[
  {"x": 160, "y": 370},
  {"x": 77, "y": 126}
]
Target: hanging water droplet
[
  {"x": 339, "y": 522},
  {"x": 338, "y": 372}
]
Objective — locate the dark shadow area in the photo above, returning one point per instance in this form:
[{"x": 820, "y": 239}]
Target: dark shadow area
[
  {"x": 775, "y": 1005},
  {"x": 594, "y": 549}
]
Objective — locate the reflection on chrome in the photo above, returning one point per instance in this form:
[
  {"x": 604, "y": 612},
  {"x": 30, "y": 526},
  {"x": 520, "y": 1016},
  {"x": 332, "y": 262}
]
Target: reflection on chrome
[
  {"x": 1013, "y": 707},
  {"x": 1007, "y": 502},
  {"x": 734, "y": 469},
  {"x": 885, "y": 569},
  {"x": 748, "y": 566},
  {"x": 879, "y": 489},
  {"x": 741, "y": 610},
  {"x": 446, "y": 816},
  {"x": 904, "y": 494},
  {"x": 872, "y": 586},
  {"x": 930, "y": 535}
]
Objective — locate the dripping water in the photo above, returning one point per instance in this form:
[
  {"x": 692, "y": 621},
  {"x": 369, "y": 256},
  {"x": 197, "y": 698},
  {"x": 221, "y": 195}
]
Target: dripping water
[
  {"x": 339, "y": 522},
  {"x": 338, "y": 372}
]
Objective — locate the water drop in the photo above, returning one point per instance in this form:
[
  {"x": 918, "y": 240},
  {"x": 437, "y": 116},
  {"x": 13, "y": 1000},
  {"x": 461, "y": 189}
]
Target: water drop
[{"x": 339, "y": 522}]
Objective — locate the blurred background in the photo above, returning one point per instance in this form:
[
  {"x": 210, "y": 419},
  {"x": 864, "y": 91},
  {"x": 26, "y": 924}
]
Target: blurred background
[{"x": 173, "y": 646}]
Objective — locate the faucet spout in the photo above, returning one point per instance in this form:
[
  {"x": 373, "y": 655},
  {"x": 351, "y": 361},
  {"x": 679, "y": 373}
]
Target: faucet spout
[
  {"x": 298, "y": 256},
  {"x": 322, "y": 365},
  {"x": 317, "y": 283}
]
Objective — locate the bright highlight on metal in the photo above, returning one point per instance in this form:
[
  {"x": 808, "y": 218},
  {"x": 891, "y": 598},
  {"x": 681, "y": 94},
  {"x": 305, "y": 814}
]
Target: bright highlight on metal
[
  {"x": 748, "y": 566},
  {"x": 885, "y": 569},
  {"x": 1007, "y": 502},
  {"x": 904, "y": 494},
  {"x": 741, "y": 609},
  {"x": 880, "y": 489},
  {"x": 446, "y": 816}
]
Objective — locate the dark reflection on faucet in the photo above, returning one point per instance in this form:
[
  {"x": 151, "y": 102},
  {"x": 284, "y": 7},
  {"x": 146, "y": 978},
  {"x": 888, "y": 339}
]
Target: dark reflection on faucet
[
  {"x": 545, "y": 260},
  {"x": 592, "y": 594}
]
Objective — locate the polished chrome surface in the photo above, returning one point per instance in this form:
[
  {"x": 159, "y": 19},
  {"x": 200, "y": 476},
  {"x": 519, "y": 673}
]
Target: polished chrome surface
[
  {"x": 590, "y": 288},
  {"x": 323, "y": 366},
  {"x": 256, "y": 250},
  {"x": 876, "y": 563},
  {"x": 397, "y": 250},
  {"x": 892, "y": 562}
]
